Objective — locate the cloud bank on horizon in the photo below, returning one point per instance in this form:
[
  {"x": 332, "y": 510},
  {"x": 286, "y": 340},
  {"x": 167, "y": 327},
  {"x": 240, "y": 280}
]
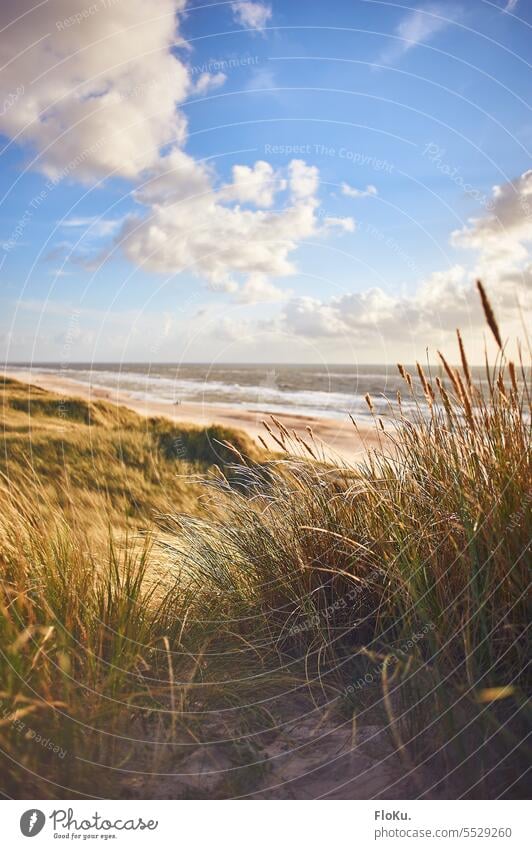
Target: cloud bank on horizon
[{"x": 106, "y": 87}]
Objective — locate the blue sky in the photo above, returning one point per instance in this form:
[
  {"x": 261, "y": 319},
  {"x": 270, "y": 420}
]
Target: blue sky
[{"x": 253, "y": 181}]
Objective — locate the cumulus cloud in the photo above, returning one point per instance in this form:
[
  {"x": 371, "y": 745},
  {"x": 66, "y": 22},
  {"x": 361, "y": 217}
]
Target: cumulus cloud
[
  {"x": 207, "y": 81},
  {"x": 304, "y": 179},
  {"x": 258, "y": 289},
  {"x": 99, "y": 83},
  {"x": 257, "y": 185},
  {"x": 348, "y": 225},
  {"x": 351, "y": 192},
  {"x": 190, "y": 224},
  {"x": 446, "y": 299},
  {"x": 342, "y": 315},
  {"x": 502, "y": 236},
  {"x": 176, "y": 176},
  {"x": 100, "y": 93},
  {"x": 251, "y": 14},
  {"x": 417, "y": 27}
]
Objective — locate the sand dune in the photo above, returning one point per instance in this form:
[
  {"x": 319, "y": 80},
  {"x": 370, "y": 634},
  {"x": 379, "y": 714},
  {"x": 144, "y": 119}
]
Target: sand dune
[{"x": 339, "y": 439}]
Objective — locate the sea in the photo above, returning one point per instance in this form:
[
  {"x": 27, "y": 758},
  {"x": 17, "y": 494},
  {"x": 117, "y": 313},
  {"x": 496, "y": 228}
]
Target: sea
[{"x": 333, "y": 391}]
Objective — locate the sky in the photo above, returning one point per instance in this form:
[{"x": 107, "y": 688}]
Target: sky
[{"x": 277, "y": 181}]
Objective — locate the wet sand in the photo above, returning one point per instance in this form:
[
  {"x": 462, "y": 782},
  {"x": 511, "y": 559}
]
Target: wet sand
[{"x": 338, "y": 439}]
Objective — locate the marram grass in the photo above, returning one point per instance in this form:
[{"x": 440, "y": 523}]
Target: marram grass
[{"x": 143, "y": 613}]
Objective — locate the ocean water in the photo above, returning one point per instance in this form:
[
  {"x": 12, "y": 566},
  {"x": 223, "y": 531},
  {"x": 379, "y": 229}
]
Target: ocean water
[{"x": 332, "y": 392}]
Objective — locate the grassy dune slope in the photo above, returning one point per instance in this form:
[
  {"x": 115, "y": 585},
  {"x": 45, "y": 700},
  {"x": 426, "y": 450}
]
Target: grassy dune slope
[
  {"x": 103, "y": 463},
  {"x": 302, "y": 630},
  {"x": 87, "y": 607}
]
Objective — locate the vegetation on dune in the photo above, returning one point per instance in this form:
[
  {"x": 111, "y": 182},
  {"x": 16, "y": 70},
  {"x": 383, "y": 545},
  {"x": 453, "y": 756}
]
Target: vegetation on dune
[
  {"x": 393, "y": 589},
  {"x": 104, "y": 462}
]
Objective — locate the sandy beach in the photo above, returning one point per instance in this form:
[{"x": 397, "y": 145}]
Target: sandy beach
[{"x": 340, "y": 439}]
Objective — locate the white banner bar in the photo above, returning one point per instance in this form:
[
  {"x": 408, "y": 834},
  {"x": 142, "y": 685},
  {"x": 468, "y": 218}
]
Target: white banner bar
[{"x": 270, "y": 824}]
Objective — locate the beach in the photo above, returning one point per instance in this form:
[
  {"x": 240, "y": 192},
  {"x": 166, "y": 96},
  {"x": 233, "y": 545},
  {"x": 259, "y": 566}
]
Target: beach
[{"x": 339, "y": 439}]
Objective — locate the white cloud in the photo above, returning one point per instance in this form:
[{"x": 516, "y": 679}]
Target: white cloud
[
  {"x": 257, "y": 185},
  {"x": 304, "y": 179},
  {"x": 251, "y": 14},
  {"x": 351, "y": 192},
  {"x": 511, "y": 5},
  {"x": 340, "y": 315},
  {"x": 206, "y": 82},
  {"x": 100, "y": 83},
  {"x": 258, "y": 289},
  {"x": 446, "y": 299},
  {"x": 208, "y": 232},
  {"x": 348, "y": 225},
  {"x": 175, "y": 177},
  {"x": 102, "y": 95},
  {"x": 502, "y": 236},
  {"x": 417, "y": 27},
  {"x": 94, "y": 226}
]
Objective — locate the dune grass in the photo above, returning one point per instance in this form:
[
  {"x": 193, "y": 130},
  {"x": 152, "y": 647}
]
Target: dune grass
[
  {"x": 88, "y": 609},
  {"x": 396, "y": 588},
  {"x": 102, "y": 462}
]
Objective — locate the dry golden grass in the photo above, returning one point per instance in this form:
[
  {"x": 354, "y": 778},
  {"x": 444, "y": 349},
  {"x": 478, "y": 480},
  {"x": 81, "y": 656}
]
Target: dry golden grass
[{"x": 409, "y": 570}]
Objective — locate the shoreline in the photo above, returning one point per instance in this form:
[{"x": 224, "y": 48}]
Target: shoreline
[{"x": 341, "y": 441}]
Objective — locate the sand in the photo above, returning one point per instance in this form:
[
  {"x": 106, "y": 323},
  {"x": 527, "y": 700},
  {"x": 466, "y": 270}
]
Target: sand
[{"x": 338, "y": 439}]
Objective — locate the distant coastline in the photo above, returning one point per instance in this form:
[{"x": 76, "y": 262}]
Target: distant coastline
[
  {"x": 340, "y": 438},
  {"x": 316, "y": 391}
]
